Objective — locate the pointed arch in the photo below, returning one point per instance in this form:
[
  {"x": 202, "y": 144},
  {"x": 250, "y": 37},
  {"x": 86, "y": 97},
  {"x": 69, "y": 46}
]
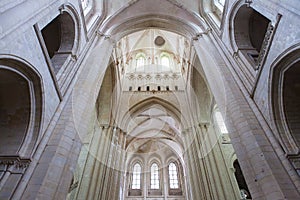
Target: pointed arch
[
  {"x": 154, "y": 176},
  {"x": 146, "y": 103},
  {"x": 136, "y": 176}
]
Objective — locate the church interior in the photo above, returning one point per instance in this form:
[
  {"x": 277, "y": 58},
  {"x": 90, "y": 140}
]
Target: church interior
[{"x": 149, "y": 99}]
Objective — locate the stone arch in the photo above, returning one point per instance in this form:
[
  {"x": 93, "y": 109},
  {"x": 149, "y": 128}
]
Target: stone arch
[
  {"x": 248, "y": 29},
  {"x": 130, "y": 170},
  {"x": 105, "y": 105},
  {"x": 170, "y": 108},
  {"x": 133, "y": 159},
  {"x": 180, "y": 176},
  {"x": 284, "y": 101},
  {"x": 21, "y": 107},
  {"x": 62, "y": 36},
  {"x": 155, "y": 159},
  {"x": 188, "y": 25},
  {"x": 202, "y": 94},
  {"x": 119, "y": 26}
]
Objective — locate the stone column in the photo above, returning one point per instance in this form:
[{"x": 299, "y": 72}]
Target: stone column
[
  {"x": 202, "y": 156},
  {"x": 192, "y": 171},
  {"x": 263, "y": 170},
  {"x": 107, "y": 162},
  {"x": 100, "y": 162}
]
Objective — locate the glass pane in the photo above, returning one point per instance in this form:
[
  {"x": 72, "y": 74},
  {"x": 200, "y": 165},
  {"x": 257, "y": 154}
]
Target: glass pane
[
  {"x": 136, "y": 176},
  {"x": 154, "y": 176},
  {"x": 173, "y": 176}
]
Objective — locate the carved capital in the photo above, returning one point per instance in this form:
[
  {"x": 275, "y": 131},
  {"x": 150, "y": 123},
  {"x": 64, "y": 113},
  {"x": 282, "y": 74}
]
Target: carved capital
[{"x": 19, "y": 164}]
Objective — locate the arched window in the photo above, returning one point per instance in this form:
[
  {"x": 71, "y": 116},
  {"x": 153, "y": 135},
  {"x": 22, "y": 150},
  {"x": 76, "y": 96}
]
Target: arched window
[
  {"x": 165, "y": 61},
  {"x": 136, "y": 176},
  {"x": 220, "y": 121},
  {"x": 84, "y": 4},
  {"x": 250, "y": 29},
  {"x": 60, "y": 40},
  {"x": 173, "y": 176},
  {"x": 154, "y": 176},
  {"x": 20, "y": 119},
  {"x": 140, "y": 61}
]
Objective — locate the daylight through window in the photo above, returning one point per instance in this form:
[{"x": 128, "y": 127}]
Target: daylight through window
[
  {"x": 136, "y": 176},
  {"x": 173, "y": 176},
  {"x": 154, "y": 176}
]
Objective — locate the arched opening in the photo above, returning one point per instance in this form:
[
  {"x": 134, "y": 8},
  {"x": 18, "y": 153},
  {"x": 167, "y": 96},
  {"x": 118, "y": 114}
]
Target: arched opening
[
  {"x": 59, "y": 38},
  {"x": 241, "y": 181},
  {"x": 140, "y": 61},
  {"x": 160, "y": 133},
  {"x": 21, "y": 108},
  {"x": 173, "y": 176},
  {"x": 165, "y": 61},
  {"x": 15, "y": 111},
  {"x": 20, "y": 119},
  {"x": 250, "y": 28},
  {"x": 286, "y": 105},
  {"x": 136, "y": 177},
  {"x": 154, "y": 177},
  {"x": 291, "y": 100}
]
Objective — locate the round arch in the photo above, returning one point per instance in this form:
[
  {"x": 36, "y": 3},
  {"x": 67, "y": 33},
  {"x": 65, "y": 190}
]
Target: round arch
[
  {"x": 281, "y": 75},
  {"x": 21, "y": 109},
  {"x": 71, "y": 11},
  {"x": 136, "y": 16}
]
